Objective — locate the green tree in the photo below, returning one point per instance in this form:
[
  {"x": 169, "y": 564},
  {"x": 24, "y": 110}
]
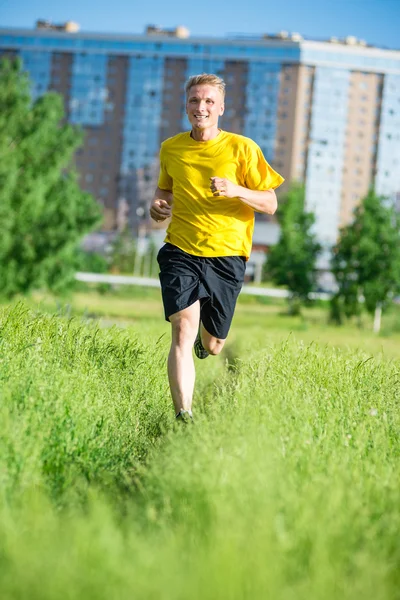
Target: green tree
[
  {"x": 127, "y": 256},
  {"x": 153, "y": 263},
  {"x": 123, "y": 252},
  {"x": 91, "y": 262},
  {"x": 43, "y": 212},
  {"x": 366, "y": 260},
  {"x": 291, "y": 262}
]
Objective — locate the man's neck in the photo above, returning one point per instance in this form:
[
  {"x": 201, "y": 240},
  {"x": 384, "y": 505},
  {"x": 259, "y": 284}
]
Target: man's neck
[{"x": 204, "y": 135}]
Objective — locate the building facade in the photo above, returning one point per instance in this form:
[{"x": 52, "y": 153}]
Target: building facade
[{"x": 325, "y": 113}]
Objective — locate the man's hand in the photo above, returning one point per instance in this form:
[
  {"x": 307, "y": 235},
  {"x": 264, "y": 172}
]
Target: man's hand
[
  {"x": 223, "y": 187},
  {"x": 161, "y": 207},
  {"x": 262, "y": 201},
  {"x": 160, "y": 210}
]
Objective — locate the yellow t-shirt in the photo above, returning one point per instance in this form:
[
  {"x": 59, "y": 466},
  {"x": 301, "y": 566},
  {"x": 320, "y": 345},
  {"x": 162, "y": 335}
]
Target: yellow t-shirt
[{"x": 203, "y": 224}]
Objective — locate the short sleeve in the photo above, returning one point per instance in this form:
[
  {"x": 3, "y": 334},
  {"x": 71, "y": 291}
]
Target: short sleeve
[
  {"x": 260, "y": 175},
  {"x": 164, "y": 180}
]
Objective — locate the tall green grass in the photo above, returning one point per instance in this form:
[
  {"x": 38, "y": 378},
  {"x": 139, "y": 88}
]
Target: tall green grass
[
  {"x": 286, "y": 486},
  {"x": 258, "y": 321},
  {"x": 79, "y": 405}
]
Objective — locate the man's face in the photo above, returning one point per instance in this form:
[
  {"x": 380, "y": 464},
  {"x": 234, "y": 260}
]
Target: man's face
[{"x": 204, "y": 105}]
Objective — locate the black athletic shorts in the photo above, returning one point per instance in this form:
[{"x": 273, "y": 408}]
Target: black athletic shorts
[{"x": 215, "y": 281}]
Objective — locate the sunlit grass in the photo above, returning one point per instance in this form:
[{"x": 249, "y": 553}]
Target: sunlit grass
[
  {"x": 286, "y": 487},
  {"x": 257, "y": 322}
]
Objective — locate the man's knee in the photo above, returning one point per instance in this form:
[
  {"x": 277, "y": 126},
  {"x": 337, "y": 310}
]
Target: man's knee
[
  {"x": 213, "y": 345},
  {"x": 184, "y": 329}
]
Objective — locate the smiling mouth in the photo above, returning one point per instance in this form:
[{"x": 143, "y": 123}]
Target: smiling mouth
[{"x": 201, "y": 117}]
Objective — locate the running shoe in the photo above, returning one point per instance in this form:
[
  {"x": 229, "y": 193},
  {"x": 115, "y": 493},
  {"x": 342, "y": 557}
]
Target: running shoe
[
  {"x": 199, "y": 349},
  {"x": 185, "y": 416}
]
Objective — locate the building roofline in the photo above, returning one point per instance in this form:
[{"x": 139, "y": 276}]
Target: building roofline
[
  {"x": 270, "y": 40},
  {"x": 140, "y": 37}
]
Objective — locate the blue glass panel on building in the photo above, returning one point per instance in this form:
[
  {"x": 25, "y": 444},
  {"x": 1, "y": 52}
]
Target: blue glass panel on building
[
  {"x": 261, "y": 105},
  {"x": 38, "y": 66},
  {"x": 9, "y": 40},
  {"x": 38, "y": 42},
  {"x": 143, "y": 107},
  {"x": 326, "y": 151},
  {"x": 387, "y": 180},
  {"x": 303, "y": 52},
  {"x": 178, "y": 48},
  {"x": 88, "y": 89},
  {"x": 349, "y": 59}
]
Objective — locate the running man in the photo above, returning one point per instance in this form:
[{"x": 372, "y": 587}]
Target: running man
[{"x": 210, "y": 184}]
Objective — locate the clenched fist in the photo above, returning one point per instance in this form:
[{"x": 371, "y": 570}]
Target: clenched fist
[
  {"x": 160, "y": 210},
  {"x": 221, "y": 186}
]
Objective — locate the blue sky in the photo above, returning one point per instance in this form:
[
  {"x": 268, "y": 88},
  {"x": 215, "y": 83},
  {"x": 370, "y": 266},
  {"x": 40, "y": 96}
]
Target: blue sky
[{"x": 376, "y": 21}]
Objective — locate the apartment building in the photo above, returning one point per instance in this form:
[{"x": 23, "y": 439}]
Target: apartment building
[{"x": 323, "y": 112}]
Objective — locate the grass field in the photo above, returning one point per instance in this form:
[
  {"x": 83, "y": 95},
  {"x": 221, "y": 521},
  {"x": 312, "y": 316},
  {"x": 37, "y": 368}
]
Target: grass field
[{"x": 286, "y": 487}]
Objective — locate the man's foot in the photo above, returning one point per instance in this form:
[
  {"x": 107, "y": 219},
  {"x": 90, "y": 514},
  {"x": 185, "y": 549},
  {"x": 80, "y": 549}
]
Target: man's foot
[
  {"x": 185, "y": 416},
  {"x": 199, "y": 349}
]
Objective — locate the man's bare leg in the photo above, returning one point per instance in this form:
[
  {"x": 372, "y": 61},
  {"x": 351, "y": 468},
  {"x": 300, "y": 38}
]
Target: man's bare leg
[
  {"x": 181, "y": 371},
  {"x": 212, "y": 344}
]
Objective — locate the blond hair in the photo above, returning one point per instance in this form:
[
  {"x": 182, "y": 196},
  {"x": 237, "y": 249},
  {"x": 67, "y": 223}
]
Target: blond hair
[{"x": 206, "y": 79}]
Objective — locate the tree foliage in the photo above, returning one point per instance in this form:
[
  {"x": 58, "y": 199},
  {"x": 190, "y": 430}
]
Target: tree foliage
[
  {"x": 366, "y": 260},
  {"x": 123, "y": 252},
  {"x": 43, "y": 212},
  {"x": 128, "y": 256},
  {"x": 291, "y": 262}
]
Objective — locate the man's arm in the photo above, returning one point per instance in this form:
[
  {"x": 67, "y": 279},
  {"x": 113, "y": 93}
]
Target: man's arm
[
  {"x": 263, "y": 201},
  {"x": 161, "y": 206}
]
